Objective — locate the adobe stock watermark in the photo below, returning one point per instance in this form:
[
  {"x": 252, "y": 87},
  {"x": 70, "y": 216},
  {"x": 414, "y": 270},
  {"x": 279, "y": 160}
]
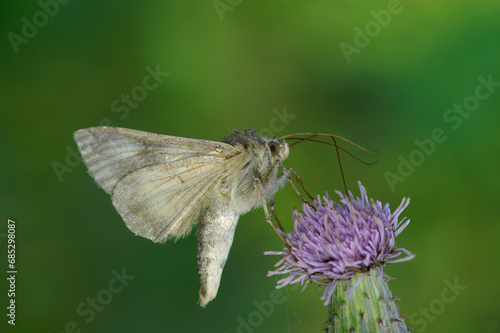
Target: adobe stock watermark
[
  {"x": 30, "y": 27},
  {"x": 420, "y": 320},
  {"x": 454, "y": 118},
  {"x": 222, "y": 7},
  {"x": 88, "y": 309},
  {"x": 121, "y": 107},
  {"x": 363, "y": 37},
  {"x": 277, "y": 123},
  {"x": 263, "y": 309}
]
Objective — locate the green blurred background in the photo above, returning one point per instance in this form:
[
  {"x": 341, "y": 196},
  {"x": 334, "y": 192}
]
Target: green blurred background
[{"x": 240, "y": 72}]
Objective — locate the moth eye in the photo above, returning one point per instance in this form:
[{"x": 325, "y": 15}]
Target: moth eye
[{"x": 274, "y": 148}]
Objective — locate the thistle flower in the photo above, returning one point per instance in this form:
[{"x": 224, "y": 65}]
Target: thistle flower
[{"x": 342, "y": 243}]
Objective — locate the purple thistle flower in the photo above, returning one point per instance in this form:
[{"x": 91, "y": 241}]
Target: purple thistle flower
[{"x": 332, "y": 242}]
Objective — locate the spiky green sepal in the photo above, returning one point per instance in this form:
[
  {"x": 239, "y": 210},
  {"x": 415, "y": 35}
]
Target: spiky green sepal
[{"x": 369, "y": 307}]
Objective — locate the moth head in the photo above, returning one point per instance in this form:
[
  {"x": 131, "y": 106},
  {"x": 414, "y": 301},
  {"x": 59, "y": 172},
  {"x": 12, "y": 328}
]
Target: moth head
[
  {"x": 249, "y": 139},
  {"x": 278, "y": 148}
]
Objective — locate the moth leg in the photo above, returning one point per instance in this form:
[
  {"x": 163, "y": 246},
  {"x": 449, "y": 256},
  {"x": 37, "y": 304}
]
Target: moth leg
[
  {"x": 299, "y": 180},
  {"x": 273, "y": 213},
  {"x": 259, "y": 187},
  {"x": 271, "y": 182},
  {"x": 260, "y": 190},
  {"x": 286, "y": 175},
  {"x": 271, "y": 175}
]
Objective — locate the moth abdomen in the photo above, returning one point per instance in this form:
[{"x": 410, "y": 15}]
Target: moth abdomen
[{"x": 215, "y": 237}]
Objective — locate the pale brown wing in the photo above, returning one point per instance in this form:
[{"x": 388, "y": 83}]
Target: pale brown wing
[
  {"x": 164, "y": 201},
  {"x": 112, "y": 153}
]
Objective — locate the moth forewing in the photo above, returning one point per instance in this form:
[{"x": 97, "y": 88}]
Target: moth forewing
[{"x": 112, "y": 153}]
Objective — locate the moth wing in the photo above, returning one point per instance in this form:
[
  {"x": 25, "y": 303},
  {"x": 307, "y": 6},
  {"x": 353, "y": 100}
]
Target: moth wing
[
  {"x": 164, "y": 201},
  {"x": 112, "y": 153}
]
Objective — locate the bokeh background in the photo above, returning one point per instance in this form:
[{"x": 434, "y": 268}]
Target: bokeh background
[{"x": 239, "y": 66}]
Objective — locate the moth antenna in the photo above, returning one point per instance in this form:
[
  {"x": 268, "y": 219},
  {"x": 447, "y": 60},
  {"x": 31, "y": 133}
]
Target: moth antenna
[
  {"x": 340, "y": 163},
  {"x": 331, "y": 144},
  {"x": 337, "y": 149},
  {"x": 313, "y": 135}
]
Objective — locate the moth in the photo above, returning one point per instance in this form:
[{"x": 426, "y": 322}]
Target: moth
[{"x": 163, "y": 185}]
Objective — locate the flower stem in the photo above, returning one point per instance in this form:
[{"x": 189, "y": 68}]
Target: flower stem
[{"x": 370, "y": 307}]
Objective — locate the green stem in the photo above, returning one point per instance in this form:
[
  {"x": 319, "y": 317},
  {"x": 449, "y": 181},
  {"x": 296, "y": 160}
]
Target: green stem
[{"x": 369, "y": 308}]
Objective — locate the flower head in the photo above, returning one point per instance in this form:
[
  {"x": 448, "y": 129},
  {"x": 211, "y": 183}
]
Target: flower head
[{"x": 333, "y": 241}]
